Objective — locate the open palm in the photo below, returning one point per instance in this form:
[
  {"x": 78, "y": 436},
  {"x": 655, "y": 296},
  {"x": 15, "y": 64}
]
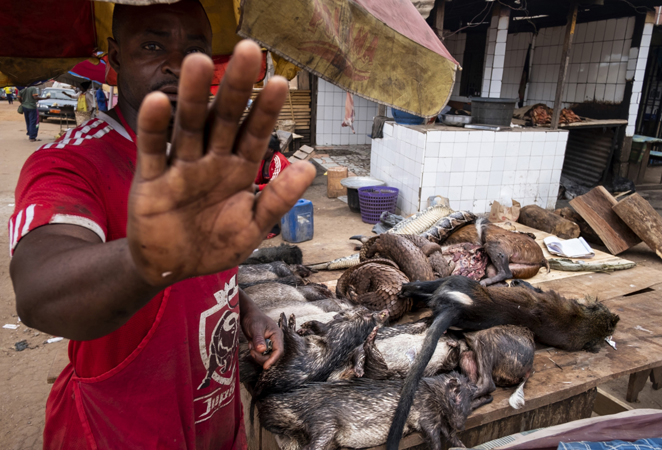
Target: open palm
[{"x": 193, "y": 212}]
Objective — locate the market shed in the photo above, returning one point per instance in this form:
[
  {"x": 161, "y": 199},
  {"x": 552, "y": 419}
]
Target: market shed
[{"x": 589, "y": 57}]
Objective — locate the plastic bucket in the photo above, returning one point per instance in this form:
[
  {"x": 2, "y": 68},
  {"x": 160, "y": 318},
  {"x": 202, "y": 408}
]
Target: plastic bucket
[
  {"x": 404, "y": 118},
  {"x": 375, "y": 200},
  {"x": 492, "y": 111},
  {"x": 353, "y": 184}
]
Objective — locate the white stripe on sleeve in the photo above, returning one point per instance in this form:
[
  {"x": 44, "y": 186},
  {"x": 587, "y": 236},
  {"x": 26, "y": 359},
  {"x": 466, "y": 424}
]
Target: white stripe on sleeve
[{"x": 29, "y": 215}]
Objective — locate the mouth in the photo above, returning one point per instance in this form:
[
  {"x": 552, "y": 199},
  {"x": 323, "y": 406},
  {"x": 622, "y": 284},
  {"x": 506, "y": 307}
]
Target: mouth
[{"x": 171, "y": 91}]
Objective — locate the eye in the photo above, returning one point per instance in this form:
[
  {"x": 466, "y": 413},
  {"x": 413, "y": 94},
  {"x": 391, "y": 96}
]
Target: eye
[
  {"x": 152, "y": 47},
  {"x": 194, "y": 50}
]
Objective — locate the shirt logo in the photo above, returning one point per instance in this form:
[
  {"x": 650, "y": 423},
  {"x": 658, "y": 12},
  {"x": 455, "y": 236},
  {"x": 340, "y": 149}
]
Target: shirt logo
[{"x": 219, "y": 350}]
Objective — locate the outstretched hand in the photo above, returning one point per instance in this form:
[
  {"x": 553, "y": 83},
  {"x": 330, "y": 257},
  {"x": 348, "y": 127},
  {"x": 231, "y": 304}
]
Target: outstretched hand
[{"x": 193, "y": 212}]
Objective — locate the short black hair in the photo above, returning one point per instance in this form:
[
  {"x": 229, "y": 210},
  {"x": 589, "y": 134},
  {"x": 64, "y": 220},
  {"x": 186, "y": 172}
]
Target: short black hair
[{"x": 274, "y": 143}]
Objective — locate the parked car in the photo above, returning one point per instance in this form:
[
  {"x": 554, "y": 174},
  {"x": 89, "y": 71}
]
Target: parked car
[{"x": 52, "y": 106}]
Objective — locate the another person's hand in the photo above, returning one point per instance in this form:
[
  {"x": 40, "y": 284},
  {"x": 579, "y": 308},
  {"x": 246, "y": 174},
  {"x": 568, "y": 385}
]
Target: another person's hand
[
  {"x": 257, "y": 327},
  {"x": 194, "y": 212}
]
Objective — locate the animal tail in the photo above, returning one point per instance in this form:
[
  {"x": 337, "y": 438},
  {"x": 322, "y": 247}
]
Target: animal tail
[
  {"x": 359, "y": 237},
  {"x": 436, "y": 330},
  {"x": 480, "y": 227}
]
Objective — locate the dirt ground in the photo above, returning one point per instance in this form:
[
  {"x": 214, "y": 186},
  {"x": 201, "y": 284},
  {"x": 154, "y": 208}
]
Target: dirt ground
[{"x": 23, "y": 387}]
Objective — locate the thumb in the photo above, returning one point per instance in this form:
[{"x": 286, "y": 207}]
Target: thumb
[{"x": 259, "y": 344}]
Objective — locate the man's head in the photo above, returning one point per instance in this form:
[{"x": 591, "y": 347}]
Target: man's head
[
  {"x": 85, "y": 85},
  {"x": 274, "y": 146},
  {"x": 149, "y": 44}
]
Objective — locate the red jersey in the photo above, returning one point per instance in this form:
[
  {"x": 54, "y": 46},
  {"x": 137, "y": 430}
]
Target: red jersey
[
  {"x": 278, "y": 163},
  {"x": 169, "y": 377}
]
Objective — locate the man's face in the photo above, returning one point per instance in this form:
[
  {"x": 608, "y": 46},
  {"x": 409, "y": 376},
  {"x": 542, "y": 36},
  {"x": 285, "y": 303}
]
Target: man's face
[{"x": 152, "y": 43}]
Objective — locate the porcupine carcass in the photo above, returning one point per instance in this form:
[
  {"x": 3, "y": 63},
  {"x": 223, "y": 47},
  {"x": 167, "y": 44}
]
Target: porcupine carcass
[
  {"x": 389, "y": 353},
  {"x": 375, "y": 284},
  {"x": 278, "y": 271},
  {"x": 313, "y": 358},
  {"x": 411, "y": 259},
  {"x": 289, "y": 254},
  {"x": 499, "y": 356},
  {"x": 356, "y": 413}
]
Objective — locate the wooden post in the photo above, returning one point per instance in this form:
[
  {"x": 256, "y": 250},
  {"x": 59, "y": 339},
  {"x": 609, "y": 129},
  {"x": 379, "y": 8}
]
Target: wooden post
[
  {"x": 438, "y": 24},
  {"x": 565, "y": 59},
  {"x": 640, "y": 216}
]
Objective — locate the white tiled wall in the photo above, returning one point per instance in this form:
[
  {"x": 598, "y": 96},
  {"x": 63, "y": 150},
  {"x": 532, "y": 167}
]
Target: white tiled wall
[
  {"x": 455, "y": 44},
  {"x": 516, "y": 48},
  {"x": 598, "y": 63},
  {"x": 397, "y": 159},
  {"x": 495, "y": 53},
  {"x": 331, "y": 112},
  {"x": 470, "y": 168}
]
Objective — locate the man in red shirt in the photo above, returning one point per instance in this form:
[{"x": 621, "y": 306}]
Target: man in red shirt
[{"x": 126, "y": 237}]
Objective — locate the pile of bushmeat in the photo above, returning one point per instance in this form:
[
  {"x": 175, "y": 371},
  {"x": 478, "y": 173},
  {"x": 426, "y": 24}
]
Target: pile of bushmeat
[{"x": 349, "y": 356}]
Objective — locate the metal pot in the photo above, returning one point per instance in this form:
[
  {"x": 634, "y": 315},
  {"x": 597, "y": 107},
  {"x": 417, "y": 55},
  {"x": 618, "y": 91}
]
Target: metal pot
[{"x": 454, "y": 120}]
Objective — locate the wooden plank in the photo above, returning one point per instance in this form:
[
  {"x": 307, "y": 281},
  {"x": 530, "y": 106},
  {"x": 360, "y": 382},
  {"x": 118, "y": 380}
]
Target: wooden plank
[
  {"x": 565, "y": 61},
  {"x": 640, "y": 216},
  {"x": 605, "y": 285},
  {"x": 596, "y": 208},
  {"x": 60, "y": 361},
  {"x": 606, "y": 404}
]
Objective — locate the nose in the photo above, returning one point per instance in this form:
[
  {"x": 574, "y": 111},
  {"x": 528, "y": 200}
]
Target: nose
[{"x": 173, "y": 63}]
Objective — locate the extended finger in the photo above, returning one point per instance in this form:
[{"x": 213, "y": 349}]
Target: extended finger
[
  {"x": 153, "y": 121},
  {"x": 192, "y": 106},
  {"x": 253, "y": 137},
  {"x": 233, "y": 95},
  {"x": 282, "y": 193}
]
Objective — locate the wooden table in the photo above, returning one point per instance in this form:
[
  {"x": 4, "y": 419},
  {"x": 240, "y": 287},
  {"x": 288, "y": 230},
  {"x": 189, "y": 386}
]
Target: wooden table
[{"x": 564, "y": 386}]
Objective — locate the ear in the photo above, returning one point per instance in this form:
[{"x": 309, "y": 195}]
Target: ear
[{"x": 114, "y": 54}]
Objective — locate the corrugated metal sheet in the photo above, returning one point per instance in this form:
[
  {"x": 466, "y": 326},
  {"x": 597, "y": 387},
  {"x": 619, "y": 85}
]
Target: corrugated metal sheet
[{"x": 587, "y": 155}]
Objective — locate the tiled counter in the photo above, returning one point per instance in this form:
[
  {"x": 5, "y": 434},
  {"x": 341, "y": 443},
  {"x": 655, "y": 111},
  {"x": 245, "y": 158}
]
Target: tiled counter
[{"x": 471, "y": 168}]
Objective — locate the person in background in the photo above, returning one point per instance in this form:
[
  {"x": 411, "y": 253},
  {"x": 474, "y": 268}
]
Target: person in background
[
  {"x": 85, "y": 107},
  {"x": 102, "y": 105},
  {"x": 273, "y": 163},
  {"x": 28, "y": 98},
  {"x": 9, "y": 90}
]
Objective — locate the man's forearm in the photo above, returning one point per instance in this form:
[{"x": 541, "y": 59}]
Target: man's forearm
[{"x": 77, "y": 289}]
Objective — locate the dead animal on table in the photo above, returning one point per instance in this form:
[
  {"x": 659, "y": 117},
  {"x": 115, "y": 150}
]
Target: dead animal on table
[
  {"x": 356, "y": 413},
  {"x": 375, "y": 284},
  {"x": 564, "y": 323},
  {"x": 289, "y": 254},
  {"x": 267, "y": 295},
  {"x": 468, "y": 260},
  {"x": 499, "y": 356},
  {"x": 411, "y": 259},
  {"x": 313, "y": 358},
  {"x": 275, "y": 271},
  {"x": 392, "y": 357},
  {"x": 513, "y": 254}
]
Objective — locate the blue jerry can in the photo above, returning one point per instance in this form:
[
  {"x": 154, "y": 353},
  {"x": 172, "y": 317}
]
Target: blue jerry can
[{"x": 297, "y": 224}]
